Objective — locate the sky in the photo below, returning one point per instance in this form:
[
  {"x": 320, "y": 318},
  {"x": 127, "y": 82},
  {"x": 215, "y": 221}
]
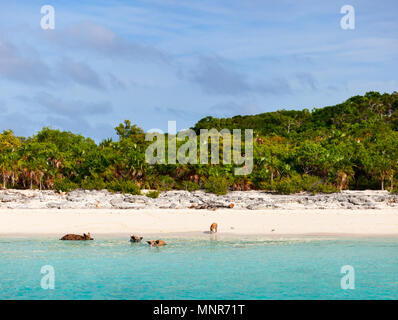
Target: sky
[{"x": 156, "y": 61}]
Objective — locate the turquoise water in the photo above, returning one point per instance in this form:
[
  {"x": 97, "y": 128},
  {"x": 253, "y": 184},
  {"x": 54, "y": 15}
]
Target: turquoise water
[{"x": 199, "y": 269}]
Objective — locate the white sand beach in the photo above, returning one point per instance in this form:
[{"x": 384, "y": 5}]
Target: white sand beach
[{"x": 102, "y": 222}]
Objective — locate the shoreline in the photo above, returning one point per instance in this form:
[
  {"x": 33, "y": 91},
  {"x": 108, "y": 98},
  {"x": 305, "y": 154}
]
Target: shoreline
[
  {"x": 191, "y": 236},
  {"x": 191, "y": 223}
]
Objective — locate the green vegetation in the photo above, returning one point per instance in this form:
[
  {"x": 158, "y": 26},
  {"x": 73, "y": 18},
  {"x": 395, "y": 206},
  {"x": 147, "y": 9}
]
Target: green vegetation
[
  {"x": 153, "y": 194},
  {"x": 189, "y": 186},
  {"x": 217, "y": 185},
  {"x": 296, "y": 183},
  {"x": 124, "y": 186},
  {"x": 65, "y": 185},
  {"x": 353, "y": 145},
  {"x": 93, "y": 184}
]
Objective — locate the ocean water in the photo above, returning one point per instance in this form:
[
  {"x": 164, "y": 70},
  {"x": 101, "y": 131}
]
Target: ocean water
[{"x": 199, "y": 269}]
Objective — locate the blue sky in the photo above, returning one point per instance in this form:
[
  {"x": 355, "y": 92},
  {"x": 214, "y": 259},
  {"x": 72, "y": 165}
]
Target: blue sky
[{"x": 159, "y": 60}]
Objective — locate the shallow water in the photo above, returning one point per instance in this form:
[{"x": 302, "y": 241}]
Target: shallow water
[{"x": 199, "y": 269}]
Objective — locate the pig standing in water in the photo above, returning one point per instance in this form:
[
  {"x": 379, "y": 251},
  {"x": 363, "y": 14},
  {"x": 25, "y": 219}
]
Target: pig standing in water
[
  {"x": 135, "y": 238},
  {"x": 156, "y": 243},
  {"x": 77, "y": 237},
  {"x": 213, "y": 227}
]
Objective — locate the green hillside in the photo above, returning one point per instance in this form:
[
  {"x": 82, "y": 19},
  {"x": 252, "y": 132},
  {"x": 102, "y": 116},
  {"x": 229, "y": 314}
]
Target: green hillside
[
  {"x": 353, "y": 145},
  {"x": 370, "y": 108}
]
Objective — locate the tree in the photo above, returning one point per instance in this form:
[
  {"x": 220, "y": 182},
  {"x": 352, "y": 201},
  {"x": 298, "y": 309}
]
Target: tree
[
  {"x": 380, "y": 156},
  {"x": 9, "y": 146}
]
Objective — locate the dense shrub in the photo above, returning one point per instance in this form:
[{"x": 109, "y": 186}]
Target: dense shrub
[
  {"x": 297, "y": 183},
  {"x": 188, "y": 186},
  {"x": 93, "y": 184},
  {"x": 166, "y": 183},
  {"x": 263, "y": 185},
  {"x": 153, "y": 194},
  {"x": 65, "y": 185},
  {"x": 288, "y": 185},
  {"x": 326, "y": 188},
  {"x": 124, "y": 186},
  {"x": 217, "y": 185},
  {"x": 394, "y": 190},
  {"x": 310, "y": 183}
]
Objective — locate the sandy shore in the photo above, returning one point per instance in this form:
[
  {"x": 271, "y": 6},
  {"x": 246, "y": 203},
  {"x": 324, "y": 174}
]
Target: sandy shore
[{"x": 103, "y": 222}]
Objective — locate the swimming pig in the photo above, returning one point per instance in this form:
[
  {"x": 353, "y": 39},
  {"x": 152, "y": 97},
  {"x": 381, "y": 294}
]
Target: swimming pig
[
  {"x": 156, "y": 243},
  {"x": 135, "y": 238},
  {"x": 213, "y": 227},
  {"x": 77, "y": 237}
]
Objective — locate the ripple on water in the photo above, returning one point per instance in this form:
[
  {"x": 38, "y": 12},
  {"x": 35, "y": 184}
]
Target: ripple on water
[{"x": 248, "y": 268}]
